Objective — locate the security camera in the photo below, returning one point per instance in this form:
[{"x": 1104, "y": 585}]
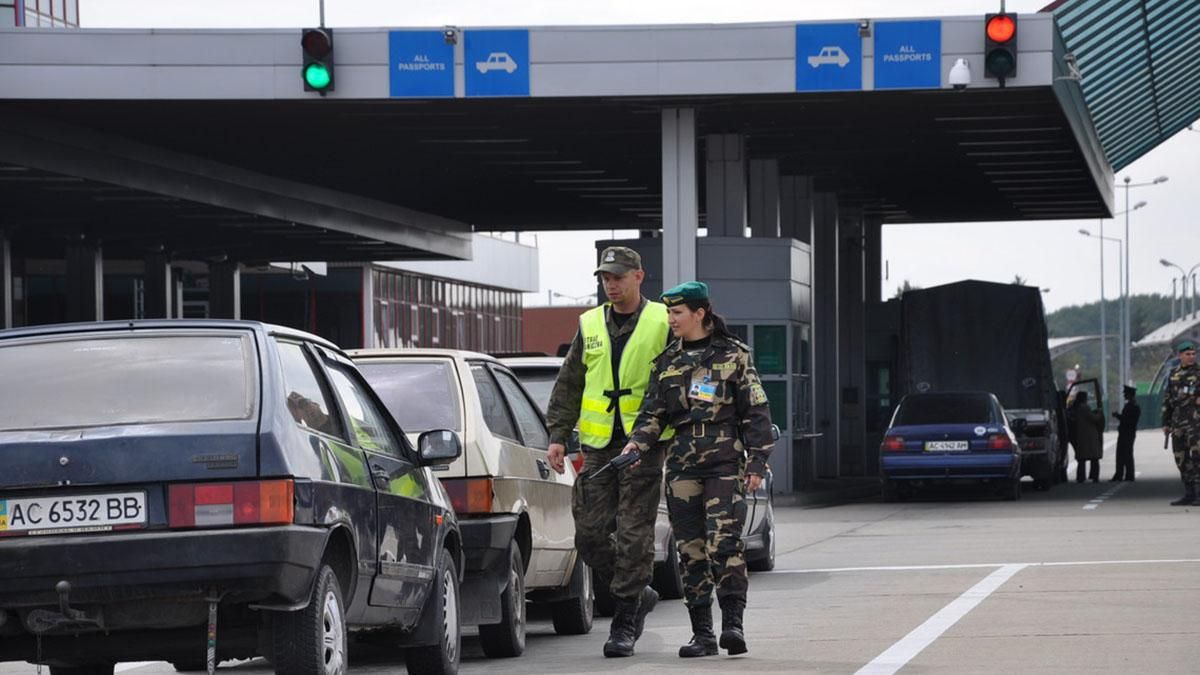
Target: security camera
[
  {"x": 450, "y": 35},
  {"x": 960, "y": 74}
]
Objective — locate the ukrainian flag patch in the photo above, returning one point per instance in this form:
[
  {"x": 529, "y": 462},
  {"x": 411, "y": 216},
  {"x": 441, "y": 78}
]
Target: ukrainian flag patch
[{"x": 3, "y": 514}]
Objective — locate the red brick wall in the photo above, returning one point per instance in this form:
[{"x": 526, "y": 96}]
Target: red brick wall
[{"x": 543, "y": 329}]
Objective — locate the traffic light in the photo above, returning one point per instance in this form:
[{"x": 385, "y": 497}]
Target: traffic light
[
  {"x": 1000, "y": 46},
  {"x": 317, "y": 71}
]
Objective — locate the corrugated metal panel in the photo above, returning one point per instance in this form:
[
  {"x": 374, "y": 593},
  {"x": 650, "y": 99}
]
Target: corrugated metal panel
[{"x": 1139, "y": 77}]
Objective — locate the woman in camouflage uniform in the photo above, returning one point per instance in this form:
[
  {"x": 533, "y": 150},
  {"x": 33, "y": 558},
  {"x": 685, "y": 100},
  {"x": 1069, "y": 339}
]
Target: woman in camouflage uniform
[{"x": 705, "y": 387}]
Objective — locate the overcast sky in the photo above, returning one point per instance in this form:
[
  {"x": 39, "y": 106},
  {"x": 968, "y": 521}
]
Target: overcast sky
[{"x": 1050, "y": 254}]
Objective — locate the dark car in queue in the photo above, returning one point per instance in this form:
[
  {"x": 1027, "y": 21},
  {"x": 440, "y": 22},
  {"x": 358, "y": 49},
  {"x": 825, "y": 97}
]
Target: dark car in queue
[
  {"x": 949, "y": 437},
  {"x": 158, "y": 477},
  {"x": 538, "y": 374}
]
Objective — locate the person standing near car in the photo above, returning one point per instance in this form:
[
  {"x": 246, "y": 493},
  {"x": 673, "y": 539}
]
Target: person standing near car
[
  {"x": 600, "y": 388},
  {"x": 705, "y": 387},
  {"x": 1127, "y": 423},
  {"x": 1088, "y": 439},
  {"x": 1181, "y": 420}
]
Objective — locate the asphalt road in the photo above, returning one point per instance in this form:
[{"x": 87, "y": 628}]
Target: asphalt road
[{"x": 1085, "y": 578}]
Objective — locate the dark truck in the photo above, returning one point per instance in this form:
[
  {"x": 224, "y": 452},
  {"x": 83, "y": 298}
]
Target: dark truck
[{"x": 981, "y": 336}]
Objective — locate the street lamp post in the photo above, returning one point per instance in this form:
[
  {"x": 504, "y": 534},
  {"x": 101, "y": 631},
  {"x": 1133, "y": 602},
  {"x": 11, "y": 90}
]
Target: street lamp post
[
  {"x": 1103, "y": 320},
  {"x": 1183, "y": 281},
  {"x": 1127, "y": 340}
]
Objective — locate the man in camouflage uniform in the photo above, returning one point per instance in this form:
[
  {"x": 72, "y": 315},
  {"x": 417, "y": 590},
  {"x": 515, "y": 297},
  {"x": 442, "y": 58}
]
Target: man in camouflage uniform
[
  {"x": 1181, "y": 420},
  {"x": 706, "y": 388},
  {"x": 600, "y": 389}
]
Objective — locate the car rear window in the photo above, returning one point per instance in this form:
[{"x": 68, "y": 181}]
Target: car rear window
[
  {"x": 421, "y": 395},
  {"x": 539, "y": 382},
  {"x": 91, "y": 381},
  {"x": 916, "y": 410}
]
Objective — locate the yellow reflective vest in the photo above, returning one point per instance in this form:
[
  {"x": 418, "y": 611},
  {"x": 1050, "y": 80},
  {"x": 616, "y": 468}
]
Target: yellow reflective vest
[{"x": 601, "y": 399}]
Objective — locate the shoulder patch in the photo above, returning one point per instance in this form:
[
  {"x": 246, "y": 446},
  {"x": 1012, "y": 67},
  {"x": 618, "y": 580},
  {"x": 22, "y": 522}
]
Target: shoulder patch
[{"x": 758, "y": 395}]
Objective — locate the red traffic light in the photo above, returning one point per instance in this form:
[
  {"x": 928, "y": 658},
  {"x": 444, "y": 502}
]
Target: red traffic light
[
  {"x": 317, "y": 43},
  {"x": 1001, "y": 28}
]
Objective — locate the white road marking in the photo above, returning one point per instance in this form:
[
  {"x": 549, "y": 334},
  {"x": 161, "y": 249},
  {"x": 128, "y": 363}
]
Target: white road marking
[
  {"x": 1095, "y": 503},
  {"x": 898, "y": 655},
  {"x": 967, "y": 566}
]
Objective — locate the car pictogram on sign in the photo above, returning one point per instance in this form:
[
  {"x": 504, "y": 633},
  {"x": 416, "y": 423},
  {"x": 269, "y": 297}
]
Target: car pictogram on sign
[
  {"x": 829, "y": 56},
  {"x": 497, "y": 61}
]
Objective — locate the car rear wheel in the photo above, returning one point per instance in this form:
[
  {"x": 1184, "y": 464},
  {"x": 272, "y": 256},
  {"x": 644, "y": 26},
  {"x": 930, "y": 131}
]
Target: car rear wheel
[
  {"x": 667, "y": 580},
  {"x": 1043, "y": 474},
  {"x": 574, "y": 616},
  {"x": 766, "y": 562},
  {"x": 507, "y": 638},
  {"x": 441, "y": 658},
  {"x": 312, "y": 641},
  {"x": 1011, "y": 489}
]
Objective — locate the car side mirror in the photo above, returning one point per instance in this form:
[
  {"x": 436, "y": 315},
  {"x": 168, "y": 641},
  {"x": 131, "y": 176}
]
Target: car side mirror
[
  {"x": 774, "y": 432},
  {"x": 573, "y": 444},
  {"x": 439, "y": 446}
]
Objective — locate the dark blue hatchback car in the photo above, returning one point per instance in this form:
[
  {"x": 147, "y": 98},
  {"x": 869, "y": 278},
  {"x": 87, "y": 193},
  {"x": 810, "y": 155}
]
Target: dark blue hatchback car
[
  {"x": 163, "y": 481},
  {"x": 947, "y": 436}
]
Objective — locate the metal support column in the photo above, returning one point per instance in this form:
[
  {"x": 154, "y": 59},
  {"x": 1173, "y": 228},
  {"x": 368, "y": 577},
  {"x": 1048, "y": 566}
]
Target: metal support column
[
  {"x": 852, "y": 340},
  {"x": 225, "y": 290},
  {"x": 825, "y": 366},
  {"x": 764, "y": 198},
  {"x": 85, "y": 281},
  {"x": 158, "y": 287},
  {"x": 6, "y": 282},
  {"x": 680, "y": 208},
  {"x": 873, "y": 239},
  {"x": 725, "y": 185},
  {"x": 796, "y": 208}
]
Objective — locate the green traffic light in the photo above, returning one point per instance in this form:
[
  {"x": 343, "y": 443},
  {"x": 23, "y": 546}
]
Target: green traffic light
[{"x": 316, "y": 75}]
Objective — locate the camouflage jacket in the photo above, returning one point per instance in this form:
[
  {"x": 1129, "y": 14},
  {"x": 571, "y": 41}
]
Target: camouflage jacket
[
  {"x": 562, "y": 412},
  {"x": 1181, "y": 402},
  {"x": 715, "y": 401}
]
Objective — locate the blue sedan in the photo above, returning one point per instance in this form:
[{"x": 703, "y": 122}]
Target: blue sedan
[{"x": 949, "y": 436}]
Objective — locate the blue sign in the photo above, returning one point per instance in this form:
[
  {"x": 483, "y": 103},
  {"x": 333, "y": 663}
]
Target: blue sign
[
  {"x": 908, "y": 54},
  {"x": 497, "y": 62},
  {"x": 828, "y": 57},
  {"x": 421, "y": 64}
]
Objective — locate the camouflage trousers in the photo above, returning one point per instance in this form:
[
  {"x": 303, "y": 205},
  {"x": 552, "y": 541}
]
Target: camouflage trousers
[
  {"x": 623, "y": 504},
  {"x": 1186, "y": 446},
  {"x": 707, "y": 516}
]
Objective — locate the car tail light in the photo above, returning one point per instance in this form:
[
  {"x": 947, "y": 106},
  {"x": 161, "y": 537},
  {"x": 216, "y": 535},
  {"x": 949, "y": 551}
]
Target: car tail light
[
  {"x": 266, "y": 502},
  {"x": 469, "y": 495},
  {"x": 892, "y": 444},
  {"x": 1035, "y": 444},
  {"x": 999, "y": 442}
]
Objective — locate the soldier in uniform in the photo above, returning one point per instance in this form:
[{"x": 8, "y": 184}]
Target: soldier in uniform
[
  {"x": 705, "y": 387},
  {"x": 600, "y": 388},
  {"x": 1181, "y": 420}
]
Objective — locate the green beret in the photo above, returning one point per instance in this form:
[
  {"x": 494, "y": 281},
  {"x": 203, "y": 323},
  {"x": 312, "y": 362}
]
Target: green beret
[
  {"x": 1186, "y": 345},
  {"x": 687, "y": 291}
]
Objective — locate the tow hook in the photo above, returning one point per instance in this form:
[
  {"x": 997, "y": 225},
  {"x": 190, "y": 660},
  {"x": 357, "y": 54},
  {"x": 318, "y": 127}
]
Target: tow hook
[{"x": 42, "y": 621}]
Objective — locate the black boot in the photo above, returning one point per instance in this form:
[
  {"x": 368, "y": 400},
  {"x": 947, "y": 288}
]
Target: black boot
[
  {"x": 704, "y": 642},
  {"x": 621, "y": 634},
  {"x": 732, "y": 638},
  {"x": 1189, "y": 495},
  {"x": 646, "y": 605}
]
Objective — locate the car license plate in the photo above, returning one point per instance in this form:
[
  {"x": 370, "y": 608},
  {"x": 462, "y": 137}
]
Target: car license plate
[
  {"x": 947, "y": 445},
  {"x": 69, "y": 514}
]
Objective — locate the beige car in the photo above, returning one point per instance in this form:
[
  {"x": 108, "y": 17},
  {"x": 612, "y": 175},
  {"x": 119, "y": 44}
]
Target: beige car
[{"x": 514, "y": 511}]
